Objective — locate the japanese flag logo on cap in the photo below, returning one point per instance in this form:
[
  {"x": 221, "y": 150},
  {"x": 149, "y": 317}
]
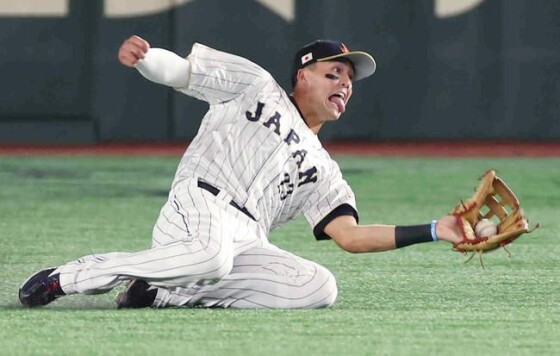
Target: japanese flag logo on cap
[{"x": 306, "y": 58}]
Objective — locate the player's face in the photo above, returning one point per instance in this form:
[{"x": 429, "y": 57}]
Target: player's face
[{"x": 331, "y": 88}]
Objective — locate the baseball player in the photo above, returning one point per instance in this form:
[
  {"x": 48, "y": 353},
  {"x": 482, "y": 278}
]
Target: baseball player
[{"x": 255, "y": 164}]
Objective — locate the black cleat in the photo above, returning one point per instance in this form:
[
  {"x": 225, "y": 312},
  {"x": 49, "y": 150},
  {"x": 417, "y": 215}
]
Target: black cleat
[
  {"x": 136, "y": 295},
  {"x": 40, "y": 289}
]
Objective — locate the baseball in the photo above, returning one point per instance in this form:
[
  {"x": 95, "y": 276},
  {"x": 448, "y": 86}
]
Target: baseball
[{"x": 485, "y": 228}]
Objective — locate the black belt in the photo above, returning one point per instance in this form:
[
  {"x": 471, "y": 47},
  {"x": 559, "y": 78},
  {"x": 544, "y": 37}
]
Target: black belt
[{"x": 216, "y": 191}]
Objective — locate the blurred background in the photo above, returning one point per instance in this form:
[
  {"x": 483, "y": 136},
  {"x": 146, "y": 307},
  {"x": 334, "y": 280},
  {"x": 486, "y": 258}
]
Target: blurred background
[{"x": 447, "y": 69}]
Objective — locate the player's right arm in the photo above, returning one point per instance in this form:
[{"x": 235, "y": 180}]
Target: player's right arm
[
  {"x": 155, "y": 64},
  {"x": 206, "y": 74}
]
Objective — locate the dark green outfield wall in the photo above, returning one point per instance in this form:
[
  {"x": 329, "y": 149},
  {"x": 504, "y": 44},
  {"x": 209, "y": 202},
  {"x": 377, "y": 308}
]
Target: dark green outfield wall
[{"x": 492, "y": 72}]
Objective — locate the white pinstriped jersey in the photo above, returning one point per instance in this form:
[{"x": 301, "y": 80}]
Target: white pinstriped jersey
[
  {"x": 252, "y": 146},
  {"x": 254, "y": 143}
]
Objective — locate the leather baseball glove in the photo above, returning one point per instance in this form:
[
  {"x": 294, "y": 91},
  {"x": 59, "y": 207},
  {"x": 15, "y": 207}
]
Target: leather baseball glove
[{"x": 495, "y": 201}]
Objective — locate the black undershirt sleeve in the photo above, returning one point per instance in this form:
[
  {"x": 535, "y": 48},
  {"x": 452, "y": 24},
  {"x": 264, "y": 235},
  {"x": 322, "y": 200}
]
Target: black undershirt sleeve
[{"x": 341, "y": 210}]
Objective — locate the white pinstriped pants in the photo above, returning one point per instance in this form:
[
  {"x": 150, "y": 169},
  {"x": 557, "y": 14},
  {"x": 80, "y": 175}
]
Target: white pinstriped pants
[{"x": 207, "y": 253}]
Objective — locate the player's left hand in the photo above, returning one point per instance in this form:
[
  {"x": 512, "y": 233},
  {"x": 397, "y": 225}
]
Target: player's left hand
[
  {"x": 448, "y": 230},
  {"x": 494, "y": 200}
]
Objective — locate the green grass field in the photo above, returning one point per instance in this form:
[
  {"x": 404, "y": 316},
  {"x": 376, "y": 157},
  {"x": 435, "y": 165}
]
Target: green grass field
[{"x": 420, "y": 300}]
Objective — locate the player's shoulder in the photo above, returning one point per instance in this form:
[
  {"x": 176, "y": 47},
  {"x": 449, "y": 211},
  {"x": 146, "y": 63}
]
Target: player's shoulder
[{"x": 200, "y": 51}]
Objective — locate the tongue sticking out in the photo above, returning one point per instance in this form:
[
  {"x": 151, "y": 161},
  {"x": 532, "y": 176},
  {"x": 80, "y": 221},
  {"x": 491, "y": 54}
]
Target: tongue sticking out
[{"x": 338, "y": 102}]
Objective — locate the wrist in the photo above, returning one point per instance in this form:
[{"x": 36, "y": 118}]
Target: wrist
[
  {"x": 414, "y": 234},
  {"x": 433, "y": 231}
]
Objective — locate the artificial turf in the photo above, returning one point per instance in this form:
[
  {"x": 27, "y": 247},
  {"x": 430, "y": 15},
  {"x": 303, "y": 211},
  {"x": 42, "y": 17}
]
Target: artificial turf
[{"x": 419, "y": 300}]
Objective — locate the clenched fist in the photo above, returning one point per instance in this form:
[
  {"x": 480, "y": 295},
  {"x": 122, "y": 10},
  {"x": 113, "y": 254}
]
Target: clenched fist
[{"x": 132, "y": 50}]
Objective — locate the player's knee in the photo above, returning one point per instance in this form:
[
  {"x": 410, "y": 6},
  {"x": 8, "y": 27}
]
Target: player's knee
[
  {"x": 218, "y": 265},
  {"x": 207, "y": 266},
  {"x": 327, "y": 293},
  {"x": 321, "y": 292}
]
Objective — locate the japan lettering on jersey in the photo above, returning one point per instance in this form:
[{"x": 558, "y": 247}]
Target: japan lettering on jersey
[{"x": 254, "y": 144}]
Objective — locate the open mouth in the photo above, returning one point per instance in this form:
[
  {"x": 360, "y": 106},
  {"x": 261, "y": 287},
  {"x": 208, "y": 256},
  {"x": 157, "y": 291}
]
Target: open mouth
[{"x": 338, "y": 100}]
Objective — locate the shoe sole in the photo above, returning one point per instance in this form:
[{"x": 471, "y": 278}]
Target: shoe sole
[{"x": 33, "y": 275}]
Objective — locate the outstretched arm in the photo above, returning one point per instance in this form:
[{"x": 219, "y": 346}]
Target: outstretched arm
[
  {"x": 350, "y": 236},
  {"x": 155, "y": 64}
]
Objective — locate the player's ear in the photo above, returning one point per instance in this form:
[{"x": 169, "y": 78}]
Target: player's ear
[{"x": 301, "y": 75}]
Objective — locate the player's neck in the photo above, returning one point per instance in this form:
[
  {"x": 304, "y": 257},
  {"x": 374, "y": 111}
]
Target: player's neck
[{"x": 310, "y": 118}]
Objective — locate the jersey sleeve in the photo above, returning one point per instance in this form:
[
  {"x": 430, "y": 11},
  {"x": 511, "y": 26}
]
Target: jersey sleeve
[
  {"x": 334, "y": 198},
  {"x": 217, "y": 76}
]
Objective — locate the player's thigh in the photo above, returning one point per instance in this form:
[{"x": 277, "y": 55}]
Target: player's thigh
[
  {"x": 189, "y": 214},
  {"x": 194, "y": 213}
]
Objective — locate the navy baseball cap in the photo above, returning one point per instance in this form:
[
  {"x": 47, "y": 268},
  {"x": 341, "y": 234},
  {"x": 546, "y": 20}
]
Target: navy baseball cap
[{"x": 327, "y": 50}]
